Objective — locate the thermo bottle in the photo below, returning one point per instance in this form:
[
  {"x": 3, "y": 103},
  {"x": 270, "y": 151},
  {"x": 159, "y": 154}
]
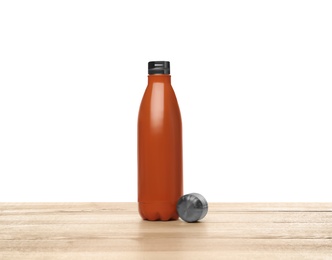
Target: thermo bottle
[{"x": 160, "y": 181}]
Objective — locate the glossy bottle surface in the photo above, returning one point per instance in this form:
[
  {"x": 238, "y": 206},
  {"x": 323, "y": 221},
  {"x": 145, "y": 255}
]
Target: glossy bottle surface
[{"x": 159, "y": 151}]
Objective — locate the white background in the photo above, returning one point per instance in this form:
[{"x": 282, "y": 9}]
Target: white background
[{"x": 253, "y": 80}]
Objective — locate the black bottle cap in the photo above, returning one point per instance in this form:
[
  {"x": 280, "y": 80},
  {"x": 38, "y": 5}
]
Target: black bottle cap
[
  {"x": 159, "y": 67},
  {"x": 192, "y": 207}
]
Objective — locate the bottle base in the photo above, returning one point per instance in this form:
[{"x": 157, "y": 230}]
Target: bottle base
[{"x": 158, "y": 211}]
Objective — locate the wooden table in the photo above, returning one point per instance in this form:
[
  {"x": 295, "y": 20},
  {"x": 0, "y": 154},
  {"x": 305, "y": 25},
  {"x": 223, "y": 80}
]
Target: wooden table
[{"x": 115, "y": 231}]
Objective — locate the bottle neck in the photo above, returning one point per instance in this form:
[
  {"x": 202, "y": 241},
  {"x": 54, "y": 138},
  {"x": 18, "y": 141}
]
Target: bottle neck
[{"x": 164, "y": 78}]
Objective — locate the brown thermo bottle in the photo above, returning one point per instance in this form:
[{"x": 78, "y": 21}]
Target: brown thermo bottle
[{"x": 160, "y": 183}]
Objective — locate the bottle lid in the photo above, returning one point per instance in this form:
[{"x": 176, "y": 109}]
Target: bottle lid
[
  {"x": 192, "y": 207},
  {"x": 159, "y": 67}
]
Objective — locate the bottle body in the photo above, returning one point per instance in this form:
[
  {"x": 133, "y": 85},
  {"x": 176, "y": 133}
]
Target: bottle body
[{"x": 160, "y": 181}]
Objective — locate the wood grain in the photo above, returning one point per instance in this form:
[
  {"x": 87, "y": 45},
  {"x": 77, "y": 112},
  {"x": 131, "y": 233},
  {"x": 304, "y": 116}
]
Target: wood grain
[{"x": 115, "y": 231}]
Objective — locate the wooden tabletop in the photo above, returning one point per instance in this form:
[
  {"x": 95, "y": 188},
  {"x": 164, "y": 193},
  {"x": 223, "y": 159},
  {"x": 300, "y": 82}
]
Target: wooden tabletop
[{"x": 115, "y": 231}]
